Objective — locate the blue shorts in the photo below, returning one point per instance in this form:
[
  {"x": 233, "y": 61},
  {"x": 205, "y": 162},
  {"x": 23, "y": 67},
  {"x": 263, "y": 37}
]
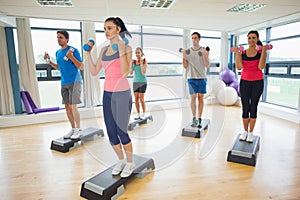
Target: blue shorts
[{"x": 197, "y": 86}]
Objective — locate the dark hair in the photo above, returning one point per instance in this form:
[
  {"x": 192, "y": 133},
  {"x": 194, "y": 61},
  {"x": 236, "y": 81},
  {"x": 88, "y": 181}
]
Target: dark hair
[
  {"x": 119, "y": 22},
  {"x": 257, "y": 35},
  {"x": 139, "y": 48},
  {"x": 65, "y": 33},
  {"x": 196, "y": 33}
]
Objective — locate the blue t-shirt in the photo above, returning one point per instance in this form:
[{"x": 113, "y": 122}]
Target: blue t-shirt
[
  {"x": 138, "y": 76},
  {"x": 68, "y": 71}
]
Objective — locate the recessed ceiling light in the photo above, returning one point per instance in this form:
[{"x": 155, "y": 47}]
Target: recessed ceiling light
[
  {"x": 158, "y": 4},
  {"x": 246, "y": 8},
  {"x": 55, "y": 3}
]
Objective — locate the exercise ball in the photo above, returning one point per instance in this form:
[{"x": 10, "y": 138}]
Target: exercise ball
[
  {"x": 235, "y": 85},
  {"x": 216, "y": 86},
  {"x": 228, "y": 76},
  {"x": 228, "y": 96}
]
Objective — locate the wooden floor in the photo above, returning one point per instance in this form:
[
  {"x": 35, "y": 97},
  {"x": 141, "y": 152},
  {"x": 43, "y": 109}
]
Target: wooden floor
[{"x": 186, "y": 168}]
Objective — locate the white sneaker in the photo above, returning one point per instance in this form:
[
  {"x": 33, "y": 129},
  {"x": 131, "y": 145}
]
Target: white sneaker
[
  {"x": 128, "y": 169},
  {"x": 250, "y": 137},
  {"x": 142, "y": 116},
  {"x": 138, "y": 116},
  {"x": 76, "y": 134},
  {"x": 68, "y": 135},
  {"x": 118, "y": 167},
  {"x": 243, "y": 136}
]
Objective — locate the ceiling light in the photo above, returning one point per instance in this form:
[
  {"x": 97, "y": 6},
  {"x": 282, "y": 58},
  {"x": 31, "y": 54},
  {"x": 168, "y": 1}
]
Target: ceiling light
[
  {"x": 55, "y": 3},
  {"x": 158, "y": 4},
  {"x": 246, "y": 8}
]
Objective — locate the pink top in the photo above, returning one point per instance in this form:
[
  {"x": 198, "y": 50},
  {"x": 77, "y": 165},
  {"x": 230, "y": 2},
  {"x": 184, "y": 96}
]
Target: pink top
[
  {"x": 250, "y": 71},
  {"x": 114, "y": 80}
]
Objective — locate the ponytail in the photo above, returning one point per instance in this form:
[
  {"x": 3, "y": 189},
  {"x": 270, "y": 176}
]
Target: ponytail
[{"x": 259, "y": 43}]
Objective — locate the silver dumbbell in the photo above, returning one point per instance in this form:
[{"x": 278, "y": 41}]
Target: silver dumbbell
[{"x": 66, "y": 58}]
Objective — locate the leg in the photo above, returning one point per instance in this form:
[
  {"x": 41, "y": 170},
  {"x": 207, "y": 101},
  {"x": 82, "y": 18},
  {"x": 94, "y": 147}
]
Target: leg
[
  {"x": 193, "y": 104},
  {"x": 245, "y": 91},
  {"x": 257, "y": 90},
  {"x": 128, "y": 151},
  {"x": 200, "y": 104},
  {"x": 137, "y": 103},
  {"x": 142, "y": 95},
  {"x": 76, "y": 115},
  {"x": 70, "y": 116},
  {"x": 245, "y": 98}
]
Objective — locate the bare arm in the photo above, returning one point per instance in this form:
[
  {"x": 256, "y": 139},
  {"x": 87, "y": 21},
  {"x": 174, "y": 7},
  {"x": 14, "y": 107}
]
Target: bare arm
[
  {"x": 143, "y": 67},
  {"x": 78, "y": 64},
  {"x": 55, "y": 66},
  {"x": 131, "y": 69},
  {"x": 184, "y": 60},
  {"x": 125, "y": 52},
  {"x": 263, "y": 58},
  {"x": 205, "y": 55},
  {"x": 52, "y": 64},
  {"x": 238, "y": 59},
  {"x": 94, "y": 68}
]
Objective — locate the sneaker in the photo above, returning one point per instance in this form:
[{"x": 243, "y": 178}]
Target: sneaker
[
  {"x": 137, "y": 116},
  {"x": 194, "y": 122},
  {"x": 250, "y": 137},
  {"x": 118, "y": 167},
  {"x": 128, "y": 169},
  {"x": 76, "y": 134},
  {"x": 199, "y": 123},
  {"x": 142, "y": 116},
  {"x": 243, "y": 135},
  {"x": 68, "y": 135}
]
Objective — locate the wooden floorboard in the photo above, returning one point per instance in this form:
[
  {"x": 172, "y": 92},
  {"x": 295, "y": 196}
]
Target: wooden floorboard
[{"x": 186, "y": 168}]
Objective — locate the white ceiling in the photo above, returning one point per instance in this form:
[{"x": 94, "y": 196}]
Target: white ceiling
[{"x": 195, "y": 14}]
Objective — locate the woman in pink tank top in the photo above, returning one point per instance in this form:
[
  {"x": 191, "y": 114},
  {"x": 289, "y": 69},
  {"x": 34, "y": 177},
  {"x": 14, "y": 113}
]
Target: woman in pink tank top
[{"x": 116, "y": 59}]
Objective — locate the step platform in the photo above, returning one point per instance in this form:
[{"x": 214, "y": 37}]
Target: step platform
[
  {"x": 132, "y": 125},
  {"x": 106, "y": 186},
  {"x": 195, "y": 132},
  {"x": 244, "y": 152},
  {"x": 65, "y": 145}
]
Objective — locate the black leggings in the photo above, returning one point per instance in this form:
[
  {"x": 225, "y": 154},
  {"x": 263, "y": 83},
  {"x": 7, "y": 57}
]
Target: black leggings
[{"x": 250, "y": 94}]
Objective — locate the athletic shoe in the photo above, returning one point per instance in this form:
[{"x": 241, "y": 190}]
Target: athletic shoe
[
  {"x": 68, "y": 135},
  {"x": 194, "y": 122},
  {"x": 138, "y": 116},
  {"x": 118, "y": 167},
  {"x": 128, "y": 169},
  {"x": 199, "y": 123},
  {"x": 250, "y": 137},
  {"x": 142, "y": 116},
  {"x": 243, "y": 136},
  {"x": 76, "y": 134}
]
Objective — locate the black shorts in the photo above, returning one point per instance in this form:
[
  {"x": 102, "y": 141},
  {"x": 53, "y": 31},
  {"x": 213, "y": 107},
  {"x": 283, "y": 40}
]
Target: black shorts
[{"x": 139, "y": 87}]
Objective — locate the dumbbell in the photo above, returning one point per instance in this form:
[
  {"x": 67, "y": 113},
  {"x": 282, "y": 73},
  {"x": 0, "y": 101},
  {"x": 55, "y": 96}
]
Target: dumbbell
[
  {"x": 240, "y": 48},
  {"x": 259, "y": 48},
  {"x": 88, "y": 45},
  {"x": 115, "y": 46},
  {"x": 66, "y": 58},
  {"x": 187, "y": 51}
]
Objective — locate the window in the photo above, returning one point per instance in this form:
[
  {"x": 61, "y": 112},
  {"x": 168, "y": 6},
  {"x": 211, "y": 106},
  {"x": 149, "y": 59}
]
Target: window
[
  {"x": 285, "y": 30},
  {"x": 285, "y": 50}
]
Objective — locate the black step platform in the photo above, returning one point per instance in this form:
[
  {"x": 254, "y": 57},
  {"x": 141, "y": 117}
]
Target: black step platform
[
  {"x": 195, "y": 132},
  {"x": 132, "y": 125},
  {"x": 244, "y": 152},
  {"x": 65, "y": 145},
  {"x": 106, "y": 186}
]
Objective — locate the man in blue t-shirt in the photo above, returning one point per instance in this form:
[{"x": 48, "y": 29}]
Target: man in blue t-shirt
[{"x": 69, "y": 63}]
